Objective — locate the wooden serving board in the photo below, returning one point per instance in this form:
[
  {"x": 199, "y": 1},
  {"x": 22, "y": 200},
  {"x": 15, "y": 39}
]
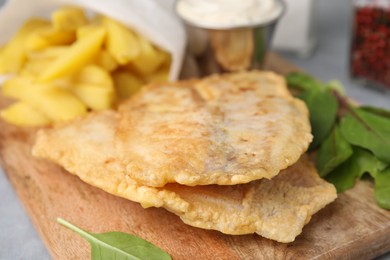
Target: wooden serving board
[{"x": 352, "y": 227}]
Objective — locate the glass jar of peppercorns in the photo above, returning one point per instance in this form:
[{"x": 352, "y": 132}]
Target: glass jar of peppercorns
[{"x": 370, "y": 46}]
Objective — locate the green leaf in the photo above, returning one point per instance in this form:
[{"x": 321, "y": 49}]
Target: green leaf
[
  {"x": 361, "y": 161},
  {"x": 118, "y": 245},
  {"x": 369, "y": 131},
  {"x": 303, "y": 81},
  {"x": 333, "y": 151},
  {"x": 382, "y": 189},
  {"x": 336, "y": 85},
  {"x": 323, "y": 108},
  {"x": 376, "y": 111},
  {"x": 359, "y": 142}
]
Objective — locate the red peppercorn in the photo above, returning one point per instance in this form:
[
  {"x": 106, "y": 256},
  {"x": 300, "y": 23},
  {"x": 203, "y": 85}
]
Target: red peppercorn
[{"x": 370, "y": 47}]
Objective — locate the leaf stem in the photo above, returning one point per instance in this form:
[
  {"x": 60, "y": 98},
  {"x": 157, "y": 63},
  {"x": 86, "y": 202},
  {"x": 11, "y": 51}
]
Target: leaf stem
[
  {"x": 88, "y": 236},
  {"x": 344, "y": 104},
  {"x": 72, "y": 227},
  {"x": 346, "y": 107}
]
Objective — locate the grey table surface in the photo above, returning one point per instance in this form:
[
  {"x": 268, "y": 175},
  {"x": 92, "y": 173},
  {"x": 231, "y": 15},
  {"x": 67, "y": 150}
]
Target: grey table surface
[{"x": 19, "y": 239}]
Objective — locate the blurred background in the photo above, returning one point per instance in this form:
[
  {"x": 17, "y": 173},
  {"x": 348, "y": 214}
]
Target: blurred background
[
  {"x": 315, "y": 36},
  {"x": 323, "y": 49}
]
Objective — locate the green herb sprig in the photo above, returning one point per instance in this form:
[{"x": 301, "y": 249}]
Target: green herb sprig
[
  {"x": 350, "y": 140},
  {"x": 118, "y": 245}
]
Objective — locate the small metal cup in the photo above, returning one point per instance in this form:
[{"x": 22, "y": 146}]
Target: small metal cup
[{"x": 212, "y": 50}]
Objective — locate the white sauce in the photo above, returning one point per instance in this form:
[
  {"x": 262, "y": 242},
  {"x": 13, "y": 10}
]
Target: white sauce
[{"x": 219, "y": 14}]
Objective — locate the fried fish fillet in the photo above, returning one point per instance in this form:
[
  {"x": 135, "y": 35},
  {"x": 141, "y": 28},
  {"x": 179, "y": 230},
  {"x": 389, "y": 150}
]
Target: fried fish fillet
[
  {"x": 276, "y": 209},
  {"x": 224, "y": 130}
]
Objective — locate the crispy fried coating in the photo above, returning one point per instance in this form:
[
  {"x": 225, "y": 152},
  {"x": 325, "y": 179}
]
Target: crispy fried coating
[
  {"x": 224, "y": 129},
  {"x": 276, "y": 209}
]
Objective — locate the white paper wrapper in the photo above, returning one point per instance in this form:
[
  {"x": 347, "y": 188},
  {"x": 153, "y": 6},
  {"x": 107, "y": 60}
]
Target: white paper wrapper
[{"x": 153, "y": 19}]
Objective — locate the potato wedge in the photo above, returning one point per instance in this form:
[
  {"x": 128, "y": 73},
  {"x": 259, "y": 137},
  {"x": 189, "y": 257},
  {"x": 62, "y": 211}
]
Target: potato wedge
[
  {"x": 68, "y": 19},
  {"x": 79, "y": 54},
  {"x": 149, "y": 58},
  {"x": 106, "y": 61},
  {"x": 48, "y": 53},
  {"x": 94, "y": 96},
  {"x": 55, "y": 103},
  {"x": 21, "y": 87},
  {"x": 22, "y": 114},
  {"x": 121, "y": 42},
  {"x": 86, "y": 29},
  {"x": 38, "y": 61},
  {"x": 13, "y": 55},
  {"x": 126, "y": 83},
  {"x": 34, "y": 67},
  {"x": 66, "y": 83},
  {"x": 49, "y": 37},
  {"x": 93, "y": 74},
  {"x": 159, "y": 76},
  {"x": 3, "y": 67},
  {"x": 71, "y": 64}
]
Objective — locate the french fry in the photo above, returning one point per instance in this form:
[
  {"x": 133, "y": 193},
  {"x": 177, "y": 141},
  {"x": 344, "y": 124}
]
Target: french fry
[
  {"x": 2, "y": 63},
  {"x": 106, "y": 61},
  {"x": 85, "y": 29},
  {"x": 126, "y": 83},
  {"x": 74, "y": 64},
  {"x": 55, "y": 103},
  {"x": 159, "y": 76},
  {"x": 79, "y": 54},
  {"x": 68, "y": 19},
  {"x": 49, "y": 37},
  {"x": 13, "y": 55},
  {"x": 94, "y": 87},
  {"x": 149, "y": 58},
  {"x": 22, "y": 114},
  {"x": 121, "y": 43},
  {"x": 93, "y": 74},
  {"x": 94, "y": 96},
  {"x": 35, "y": 67},
  {"x": 38, "y": 61},
  {"x": 47, "y": 53},
  {"x": 66, "y": 83},
  {"x": 21, "y": 87}
]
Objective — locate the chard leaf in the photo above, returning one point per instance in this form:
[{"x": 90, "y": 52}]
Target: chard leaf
[
  {"x": 368, "y": 130},
  {"x": 333, "y": 151},
  {"x": 382, "y": 189},
  {"x": 303, "y": 81},
  {"x": 118, "y": 245},
  {"x": 361, "y": 161},
  {"x": 323, "y": 108}
]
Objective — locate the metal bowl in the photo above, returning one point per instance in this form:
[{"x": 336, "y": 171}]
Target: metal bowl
[{"x": 234, "y": 48}]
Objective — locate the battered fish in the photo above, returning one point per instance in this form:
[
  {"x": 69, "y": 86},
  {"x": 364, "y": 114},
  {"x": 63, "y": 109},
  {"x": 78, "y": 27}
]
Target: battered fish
[
  {"x": 276, "y": 209},
  {"x": 225, "y": 130}
]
